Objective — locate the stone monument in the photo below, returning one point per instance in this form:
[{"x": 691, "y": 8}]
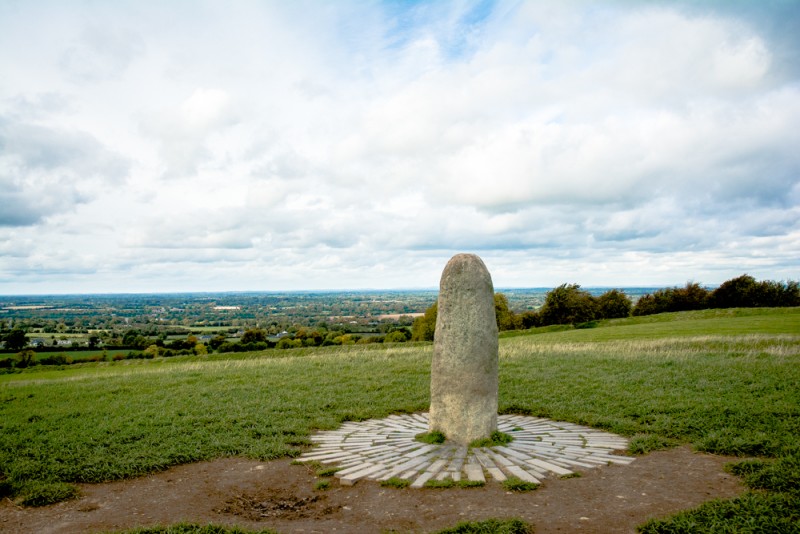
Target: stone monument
[{"x": 464, "y": 368}]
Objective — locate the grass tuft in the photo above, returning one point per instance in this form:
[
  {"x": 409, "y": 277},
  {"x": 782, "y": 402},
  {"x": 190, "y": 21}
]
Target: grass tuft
[
  {"x": 644, "y": 443},
  {"x": 440, "y": 484},
  {"x": 431, "y": 438},
  {"x": 37, "y": 493},
  {"x": 323, "y": 484},
  {"x": 490, "y": 526},
  {"x": 395, "y": 482},
  {"x": 519, "y": 485},
  {"x": 327, "y": 471},
  {"x": 450, "y": 483},
  {"x": 467, "y": 484},
  {"x": 496, "y": 439}
]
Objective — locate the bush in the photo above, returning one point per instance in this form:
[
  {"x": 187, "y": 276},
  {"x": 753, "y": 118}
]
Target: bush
[
  {"x": 398, "y": 336},
  {"x": 26, "y": 358},
  {"x": 614, "y": 304},
  {"x": 424, "y": 327},
  {"x": 673, "y": 299},
  {"x": 506, "y": 319},
  {"x": 56, "y": 359},
  {"x": 745, "y": 292},
  {"x": 568, "y": 304}
]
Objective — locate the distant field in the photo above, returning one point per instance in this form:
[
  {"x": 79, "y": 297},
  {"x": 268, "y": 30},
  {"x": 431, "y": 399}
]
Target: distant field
[{"x": 725, "y": 381}]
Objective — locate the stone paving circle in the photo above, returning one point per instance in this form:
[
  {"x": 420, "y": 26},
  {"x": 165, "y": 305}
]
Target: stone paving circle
[{"x": 379, "y": 449}]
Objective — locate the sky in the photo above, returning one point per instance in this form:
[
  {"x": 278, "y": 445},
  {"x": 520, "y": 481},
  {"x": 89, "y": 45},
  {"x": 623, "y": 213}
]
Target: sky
[{"x": 151, "y": 146}]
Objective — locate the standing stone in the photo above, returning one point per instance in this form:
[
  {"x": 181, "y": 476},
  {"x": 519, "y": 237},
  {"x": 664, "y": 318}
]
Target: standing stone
[{"x": 464, "y": 369}]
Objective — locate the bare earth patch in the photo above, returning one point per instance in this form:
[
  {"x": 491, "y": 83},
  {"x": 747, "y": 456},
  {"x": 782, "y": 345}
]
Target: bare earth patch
[{"x": 280, "y": 496}]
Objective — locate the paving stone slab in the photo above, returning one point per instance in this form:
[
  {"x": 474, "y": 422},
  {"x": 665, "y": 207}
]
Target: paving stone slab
[{"x": 379, "y": 449}]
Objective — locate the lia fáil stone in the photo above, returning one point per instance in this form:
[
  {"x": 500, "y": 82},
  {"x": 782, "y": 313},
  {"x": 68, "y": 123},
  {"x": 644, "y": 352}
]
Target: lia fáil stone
[{"x": 464, "y": 368}]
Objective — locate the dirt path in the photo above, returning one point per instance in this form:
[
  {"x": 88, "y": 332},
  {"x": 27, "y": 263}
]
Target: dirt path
[{"x": 280, "y": 496}]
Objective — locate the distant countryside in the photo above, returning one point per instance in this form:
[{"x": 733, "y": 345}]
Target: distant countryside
[{"x": 68, "y": 329}]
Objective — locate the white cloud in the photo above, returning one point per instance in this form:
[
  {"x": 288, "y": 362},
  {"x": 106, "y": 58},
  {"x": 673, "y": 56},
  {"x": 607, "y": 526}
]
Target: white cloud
[{"x": 269, "y": 146}]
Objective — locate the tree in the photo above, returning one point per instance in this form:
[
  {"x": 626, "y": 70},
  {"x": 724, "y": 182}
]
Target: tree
[
  {"x": 745, "y": 292},
  {"x": 737, "y": 292},
  {"x": 398, "y": 336},
  {"x": 673, "y": 299},
  {"x": 254, "y": 335},
  {"x": 16, "y": 339},
  {"x": 530, "y": 319},
  {"x": 568, "y": 304},
  {"x": 506, "y": 319},
  {"x": 424, "y": 328},
  {"x": 25, "y": 358},
  {"x": 614, "y": 304},
  {"x": 216, "y": 341}
]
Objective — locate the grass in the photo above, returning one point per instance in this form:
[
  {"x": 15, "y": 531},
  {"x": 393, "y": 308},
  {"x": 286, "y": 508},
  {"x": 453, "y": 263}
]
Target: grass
[
  {"x": 490, "y": 526},
  {"x": 396, "y": 482},
  {"x": 519, "y": 485},
  {"x": 496, "y": 439},
  {"x": 323, "y": 484},
  {"x": 725, "y": 381},
  {"x": 449, "y": 483},
  {"x": 431, "y": 438},
  {"x": 752, "y": 513}
]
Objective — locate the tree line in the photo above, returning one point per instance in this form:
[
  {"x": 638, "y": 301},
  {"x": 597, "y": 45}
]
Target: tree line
[{"x": 569, "y": 304}]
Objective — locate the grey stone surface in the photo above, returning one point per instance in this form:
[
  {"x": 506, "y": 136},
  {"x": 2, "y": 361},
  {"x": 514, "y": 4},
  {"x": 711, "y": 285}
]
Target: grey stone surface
[
  {"x": 464, "y": 368},
  {"x": 410, "y": 459}
]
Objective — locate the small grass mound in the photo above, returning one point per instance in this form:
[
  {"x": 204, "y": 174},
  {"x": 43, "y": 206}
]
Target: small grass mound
[{"x": 323, "y": 484}]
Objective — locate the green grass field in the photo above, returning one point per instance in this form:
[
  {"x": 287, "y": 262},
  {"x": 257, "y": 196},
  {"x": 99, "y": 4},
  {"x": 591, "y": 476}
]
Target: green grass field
[{"x": 723, "y": 380}]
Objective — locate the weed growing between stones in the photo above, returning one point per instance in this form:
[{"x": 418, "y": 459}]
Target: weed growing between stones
[
  {"x": 395, "y": 482},
  {"x": 496, "y": 439},
  {"x": 327, "y": 471},
  {"x": 450, "y": 483},
  {"x": 519, "y": 485},
  {"x": 433, "y": 437}
]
